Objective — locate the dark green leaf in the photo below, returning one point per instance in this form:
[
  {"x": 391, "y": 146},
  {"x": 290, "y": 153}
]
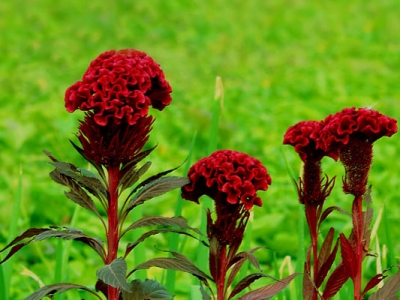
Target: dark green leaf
[
  {"x": 114, "y": 274},
  {"x": 57, "y": 289},
  {"x": 146, "y": 290}
]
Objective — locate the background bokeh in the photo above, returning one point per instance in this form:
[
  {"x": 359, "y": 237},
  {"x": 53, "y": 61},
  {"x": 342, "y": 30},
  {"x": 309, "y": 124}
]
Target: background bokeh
[{"x": 280, "y": 62}]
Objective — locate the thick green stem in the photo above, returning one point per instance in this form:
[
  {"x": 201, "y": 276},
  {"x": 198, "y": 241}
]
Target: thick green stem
[{"x": 112, "y": 231}]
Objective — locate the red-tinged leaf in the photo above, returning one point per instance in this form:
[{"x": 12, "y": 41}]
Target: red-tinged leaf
[
  {"x": 389, "y": 290},
  {"x": 326, "y": 266},
  {"x": 114, "y": 274},
  {"x": 348, "y": 256},
  {"x": 156, "y": 188},
  {"x": 245, "y": 282},
  {"x": 239, "y": 260},
  {"x": 58, "y": 288},
  {"x": 131, "y": 176},
  {"x": 148, "y": 234},
  {"x": 146, "y": 290},
  {"x": 330, "y": 209},
  {"x": 374, "y": 281},
  {"x": 357, "y": 218},
  {"x": 326, "y": 247},
  {"x": 270, "y": 290},
  {"x": 335, "y": 282},
  {"x": 308, "y": 285},
  {"x": 180, "y": 222}
]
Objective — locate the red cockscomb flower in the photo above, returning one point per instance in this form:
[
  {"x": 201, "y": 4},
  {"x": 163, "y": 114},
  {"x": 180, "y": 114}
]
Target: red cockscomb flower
[
  {"x": 227, "y": 176},
  {"x": 365, "y": 124},
  {"x": 312, "y": 188},
  {"x": 113, "y": 144},
  {"x": 350, "y": 134},
  {"x": 120, "y": 85},
  {"x": 303, "y": 137}
]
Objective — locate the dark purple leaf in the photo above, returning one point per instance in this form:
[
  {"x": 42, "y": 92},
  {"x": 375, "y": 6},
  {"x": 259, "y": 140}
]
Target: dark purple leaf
[
  {"x": 180, "y": 222},
  {"x": 325, "y": 248},
  {"x": 178, "y": 263},
  {"x": 114, "y": 274},
  {"x": 330, "y": 209},
  {"x": 389, "y": 290},
  {"x": 335, "y": 281},
  {"x": 326, "y": 266},
  {"x": 156, "y": 188},
  {"x": 58, "y": 288},
  {"x": 374, "y": 281},
  {"x": 270, "y": 290},
  {"x": 245, "y": 282},
  {"x": 308, "y": 284},
  {"x": 148, "y": 234},
  {"x": 239, "y": 260},
  {"x": 131, "y": 176}
]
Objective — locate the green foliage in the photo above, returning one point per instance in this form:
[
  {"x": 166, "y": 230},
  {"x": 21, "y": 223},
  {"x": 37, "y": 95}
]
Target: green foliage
[{"x": 281, "y": 62}]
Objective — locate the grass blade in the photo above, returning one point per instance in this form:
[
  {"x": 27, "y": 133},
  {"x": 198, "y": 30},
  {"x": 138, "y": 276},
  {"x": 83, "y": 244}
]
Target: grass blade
[{"x": 174, "y": 242}]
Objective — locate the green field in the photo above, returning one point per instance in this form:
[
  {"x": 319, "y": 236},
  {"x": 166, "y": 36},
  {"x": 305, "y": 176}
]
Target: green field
[{"x": 280, "y": 62}]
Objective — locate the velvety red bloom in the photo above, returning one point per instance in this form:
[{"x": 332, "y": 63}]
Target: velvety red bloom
[
  {"x": 120, "y": 85},
  {"x": 365, "y": 124},
  {"x": 303, "y": 137},
  {"x": 227, "y": 176},
  {"x": 350, "y": 134},
  {"x": 313, "y": 189},
  {"x": 113, "y": 144}
]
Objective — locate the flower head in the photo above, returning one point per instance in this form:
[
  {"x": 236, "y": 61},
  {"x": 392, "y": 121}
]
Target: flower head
[
  {"x": 227, "y": 176},
  {"x": 303, "y": 137},
  {"x": 113, "y": 144},
  {"x": 365, "y": 124},
  {"x": 120, "y": 86},
  {"x": 350, "y": 135}
]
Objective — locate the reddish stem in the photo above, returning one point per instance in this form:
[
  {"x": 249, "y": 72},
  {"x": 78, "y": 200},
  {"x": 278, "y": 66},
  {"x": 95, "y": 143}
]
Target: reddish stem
[
  {"x": 112, "y": 232},
  {"x": 359, "y": 246},
  {"x": 312, "y": 221},
  {"x": 221, "y": 272}
]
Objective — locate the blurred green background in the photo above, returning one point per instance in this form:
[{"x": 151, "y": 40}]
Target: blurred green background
[{"x": 280, "y": 62}]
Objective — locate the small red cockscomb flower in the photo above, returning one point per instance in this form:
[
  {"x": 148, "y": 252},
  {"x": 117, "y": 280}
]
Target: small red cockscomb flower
[
  {"x": 227, "y": 176},
  {"x": 350, "y": 134},
  {"x": 120, "y": 85},
  {"x": 303, "y": 137},
  {"x": 313, "y": 189}
]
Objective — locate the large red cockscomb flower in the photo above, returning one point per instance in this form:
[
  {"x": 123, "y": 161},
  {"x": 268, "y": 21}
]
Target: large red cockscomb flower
[
  {"x": 227, "y": 176},
  {"x": 120, "y": 85},
  {"x": 365, "y": 124},
  {"x": 350, "y": 134}
]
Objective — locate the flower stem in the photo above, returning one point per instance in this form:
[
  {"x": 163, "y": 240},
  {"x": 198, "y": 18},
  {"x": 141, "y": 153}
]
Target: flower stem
[
  {"x": 112, "y": 232},
  {"x": 359, "y": 246},
  {"x": 312, "y": 220},
  {"x": 221, "y": 272}
]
